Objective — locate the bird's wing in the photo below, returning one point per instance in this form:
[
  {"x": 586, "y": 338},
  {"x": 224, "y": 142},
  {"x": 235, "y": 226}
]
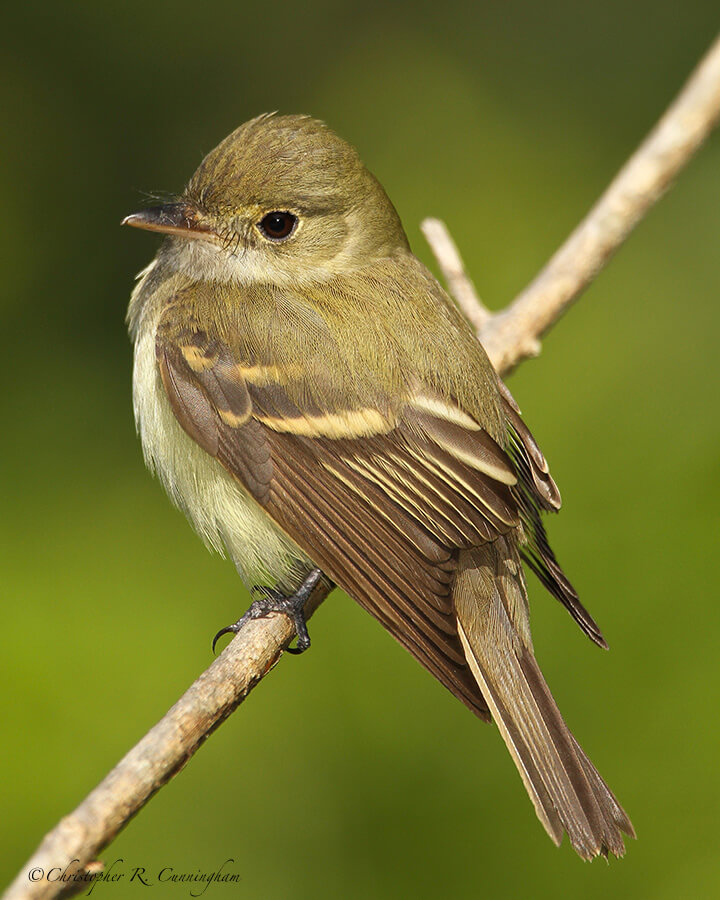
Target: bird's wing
[
  {"x": 413, "y": 511},
  {"x": 382, "y": 502},
  {"x": 535, "y": 493}
]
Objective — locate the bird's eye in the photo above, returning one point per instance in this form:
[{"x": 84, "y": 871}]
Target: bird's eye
[{"x": 278, "y": 225}]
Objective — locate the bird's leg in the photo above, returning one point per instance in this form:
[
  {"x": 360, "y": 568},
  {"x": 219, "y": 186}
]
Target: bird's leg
[{"x": 272, "y": 601}]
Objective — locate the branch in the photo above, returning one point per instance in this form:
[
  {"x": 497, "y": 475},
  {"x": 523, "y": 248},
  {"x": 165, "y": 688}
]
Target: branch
[
  {"x": 513, "y": 334},
  {"x": 509, "y": 337},
  {"x": 71, "y": 847},
  {"x": 461, "y": 288}
]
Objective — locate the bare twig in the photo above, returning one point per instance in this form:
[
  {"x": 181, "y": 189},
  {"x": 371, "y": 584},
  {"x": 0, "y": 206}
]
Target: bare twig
[
  {"x": 75, "y": 841},
  {"x": 456, "y": 278},
  {"x": 509, "y": 337},
  {"x": 513, "y": 334}
]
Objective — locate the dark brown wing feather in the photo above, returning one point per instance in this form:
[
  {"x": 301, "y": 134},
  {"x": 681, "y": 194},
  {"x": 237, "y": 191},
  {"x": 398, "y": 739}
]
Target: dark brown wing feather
[
  {"x": 347, "y": 501},
  {"x": 408, "y": 511},
  {"x": 536, "y": 492}
]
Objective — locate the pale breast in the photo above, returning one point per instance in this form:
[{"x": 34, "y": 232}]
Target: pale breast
[{"x": 222, "y": 513}]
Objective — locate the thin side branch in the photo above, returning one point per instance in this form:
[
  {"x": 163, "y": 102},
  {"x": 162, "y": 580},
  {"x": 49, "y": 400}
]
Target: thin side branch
[
  {"x": 509, "y": 337},
  {"x": 456, "y": 278}
]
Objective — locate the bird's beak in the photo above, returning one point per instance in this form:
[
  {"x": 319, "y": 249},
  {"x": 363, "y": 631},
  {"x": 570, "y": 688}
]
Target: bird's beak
[{"x": 172, "y": 218}]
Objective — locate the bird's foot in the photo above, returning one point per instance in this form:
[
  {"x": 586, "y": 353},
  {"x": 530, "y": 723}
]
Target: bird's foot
[{"x": 272, "y": 601}]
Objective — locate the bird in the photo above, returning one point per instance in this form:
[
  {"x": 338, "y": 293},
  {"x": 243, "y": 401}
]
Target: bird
[{"x": 313, "y": 400}]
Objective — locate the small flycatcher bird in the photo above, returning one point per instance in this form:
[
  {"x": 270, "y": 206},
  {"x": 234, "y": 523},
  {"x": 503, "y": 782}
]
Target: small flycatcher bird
[{"x": 314, "y": 402}]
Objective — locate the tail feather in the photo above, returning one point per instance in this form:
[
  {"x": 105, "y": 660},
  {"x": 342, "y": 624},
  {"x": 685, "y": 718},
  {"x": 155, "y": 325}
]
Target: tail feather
[
  {"x": 568, "y": 793},
  {"x": 616, "y": 815}
]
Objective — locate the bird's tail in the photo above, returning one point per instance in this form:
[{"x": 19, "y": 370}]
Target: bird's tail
[{"x": 568, "y": 792}]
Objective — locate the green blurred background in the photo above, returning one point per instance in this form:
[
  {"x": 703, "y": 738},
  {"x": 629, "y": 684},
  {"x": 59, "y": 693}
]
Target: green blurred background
[{"x": 350, "y": 772}]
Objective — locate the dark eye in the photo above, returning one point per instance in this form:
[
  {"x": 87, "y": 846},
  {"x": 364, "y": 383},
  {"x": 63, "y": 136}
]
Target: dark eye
[{"x": 278, "y": 225}]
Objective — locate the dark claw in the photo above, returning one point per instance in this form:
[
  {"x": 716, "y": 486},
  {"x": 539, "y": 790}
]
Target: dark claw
[
  {"x": 303, "y": 638},
  {"x": 229, "y": 629},
  {"x": 273, "y": 601}
]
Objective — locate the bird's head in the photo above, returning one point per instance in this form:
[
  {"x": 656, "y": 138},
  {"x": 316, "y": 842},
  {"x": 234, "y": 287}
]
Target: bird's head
[{"x": 282, "y": 199}]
